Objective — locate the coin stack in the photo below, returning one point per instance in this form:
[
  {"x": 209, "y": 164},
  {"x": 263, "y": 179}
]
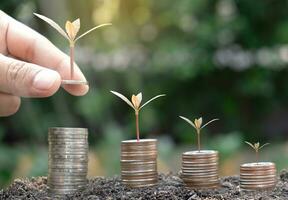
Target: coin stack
[
  {"x": 67, "y": 160},
  {"x": 200, "y": 169},
  {"x": 139, "y": 163},
  {"x": 257, "y": 176}
]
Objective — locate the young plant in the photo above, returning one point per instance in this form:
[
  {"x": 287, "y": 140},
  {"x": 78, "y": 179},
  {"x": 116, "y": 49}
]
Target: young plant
[
  {"x": 256, "y": 147},
  {"x": 72, "y": 29},
  {"x": 135, "y": 103},
  {"x": 198, "y": 127}
]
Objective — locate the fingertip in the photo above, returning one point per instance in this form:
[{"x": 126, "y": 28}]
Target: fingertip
[
  {"x": 46, "y": 83},
  {"x": 77, "y": 90},
  {"x": 14, "y": 105},
  {"x": 10, "y": 104}
]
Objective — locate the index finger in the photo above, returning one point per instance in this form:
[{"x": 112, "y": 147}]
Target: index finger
[{"x": 28, "y": 45}]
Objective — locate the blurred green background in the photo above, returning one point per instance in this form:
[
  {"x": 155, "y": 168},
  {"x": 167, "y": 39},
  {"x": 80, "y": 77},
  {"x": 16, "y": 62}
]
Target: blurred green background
[{"x": 222, "y": 59}]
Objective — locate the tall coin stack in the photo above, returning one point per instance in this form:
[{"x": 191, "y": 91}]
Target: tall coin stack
[
  {"x": 257, "y": 176},
  {"x": 200, "y": 169},
  {"x": 67, "y": 160},
  {"x": 139, "y": 163}
]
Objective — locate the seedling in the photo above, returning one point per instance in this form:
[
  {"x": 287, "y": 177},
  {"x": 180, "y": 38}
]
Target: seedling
[
  {"x": 72, "y": 29},
  {"x": 256, "y": 147},
  {"x": 198, "y": 126},
  {"x": 135, "y": 103}
]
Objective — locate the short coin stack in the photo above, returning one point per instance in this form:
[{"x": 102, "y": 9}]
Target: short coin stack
[
  {"x": 68, "y": 160},
  {"x": 257, "y": 176},
  {"x": 200, "y": 169},
  {"x": 139, "y": 163}
]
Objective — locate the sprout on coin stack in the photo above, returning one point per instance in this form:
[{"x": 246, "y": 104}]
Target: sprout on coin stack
[
  {"x": 138, "y": 157},
  {"x": 70, "y": 33},
  {"x": 135, "y": 103},
  {"x": 200, "y": 168},
  {"x": 257, "y": 175}
]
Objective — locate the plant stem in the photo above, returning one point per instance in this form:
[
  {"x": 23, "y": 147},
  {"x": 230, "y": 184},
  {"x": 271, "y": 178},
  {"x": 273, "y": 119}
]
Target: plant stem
[
  {"x": 71, "y": 61},
  {"x": 137, "y": 125},
  {"x": 257, "y": 157},
  {"x": 198, "y": 137}
]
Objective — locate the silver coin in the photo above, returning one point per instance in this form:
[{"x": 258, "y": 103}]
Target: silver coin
[
  {"x": 138, "y": 162},
  {"x": 142, "y": 141},
  {"x": 140, "y": 174},
  {"x": 58, "y": 149},
  {"x": 82, "y": 165},
  {"x": 59, "y": 143},
  {"x": 74, "y": 82},
  {"x": 138, "y": 168},
  {"x": 152, "y": 179},
  {"x": 79, "y": 180},
  {"x": 132, "y": 170},
  {"x": 68, "y": 166},
  {"x": 75, "y": 167},
  {"x": 67, "y": 129},
  {"x": 57, "y": 173},
  {"x": 74, "y": 160},
  {"x": 68, "y": 132},
  {"x": 195, "y": 169},
  {"x": 199, "y": 173},
  {"x": 257, "y": 177},
  {"x": 70, "y": 152},
  {"x": 68, "y": 156},
  {"x": 70, "y": 148},
  {"x": 68, "y": 184},
  {"x": 67, "y": 174},
  {"x": 68, "y": 138},
  {"x": 69, "y": 159},
  {"x": 141, "y": 185},
  {"x": 63, "y": 178}
]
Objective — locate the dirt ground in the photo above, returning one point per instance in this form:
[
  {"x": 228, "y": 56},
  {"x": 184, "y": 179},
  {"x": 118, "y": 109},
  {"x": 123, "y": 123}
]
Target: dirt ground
[{"x": 170, "y": 187}]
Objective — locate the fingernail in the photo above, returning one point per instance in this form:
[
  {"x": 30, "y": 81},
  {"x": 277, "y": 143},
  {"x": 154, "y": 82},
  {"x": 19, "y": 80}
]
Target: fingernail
[{"x": 45, "y": 79}]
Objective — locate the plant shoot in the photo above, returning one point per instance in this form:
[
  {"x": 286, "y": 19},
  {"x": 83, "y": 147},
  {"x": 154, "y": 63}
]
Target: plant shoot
[
  {"x": 70, "y": 33},
  {"x": 135, "y": 103},
  {"x": 197, "y": 124},
  {"x": 256, "y": 147}
]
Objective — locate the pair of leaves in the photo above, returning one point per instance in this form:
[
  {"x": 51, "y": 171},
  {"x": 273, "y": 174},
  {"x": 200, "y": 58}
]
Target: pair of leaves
[
  {"x": 136, "y": 100},
  {"x": 256, "y": 146},
  {"x": 72, "y": 28},
  {"x": 197, "y": 123}
]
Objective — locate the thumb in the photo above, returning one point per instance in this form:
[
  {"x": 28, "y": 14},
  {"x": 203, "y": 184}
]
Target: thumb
[{"x": 27, "y": 80}]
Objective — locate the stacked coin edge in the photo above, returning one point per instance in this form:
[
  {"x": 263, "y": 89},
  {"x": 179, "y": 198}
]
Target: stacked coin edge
[
  {"x": 67, "y": 160},
  {"x": 139, "y": 163},
  {"x": 258, "y": 176},
  {"x": 200, "y": 169}
]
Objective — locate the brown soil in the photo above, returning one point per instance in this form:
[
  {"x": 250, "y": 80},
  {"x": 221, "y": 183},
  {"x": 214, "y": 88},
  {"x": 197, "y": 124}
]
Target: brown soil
[{"x": 170, "y": 187}]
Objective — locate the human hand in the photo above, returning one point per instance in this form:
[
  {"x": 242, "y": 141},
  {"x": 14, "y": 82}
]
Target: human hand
[{"x": 30, "y": 66}]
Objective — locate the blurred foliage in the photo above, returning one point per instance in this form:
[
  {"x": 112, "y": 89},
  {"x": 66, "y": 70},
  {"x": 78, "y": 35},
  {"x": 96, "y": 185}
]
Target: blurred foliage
[{"x": 222, "y": 59}]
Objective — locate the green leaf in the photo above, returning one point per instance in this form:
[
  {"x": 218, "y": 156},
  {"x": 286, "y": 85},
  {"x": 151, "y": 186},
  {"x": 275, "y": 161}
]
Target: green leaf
[
  {"x": 188, "y": 121},
  {"x": 209, "y": 122},
  {"x": 121, "y": 96},
  {"x": 92, "y": 29},
  {"x": 161, "y": 95},
  {"x": 263, "y": 145},
  {"x": 250, "y": 145},
  {"x": 53, "y": 24}
]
